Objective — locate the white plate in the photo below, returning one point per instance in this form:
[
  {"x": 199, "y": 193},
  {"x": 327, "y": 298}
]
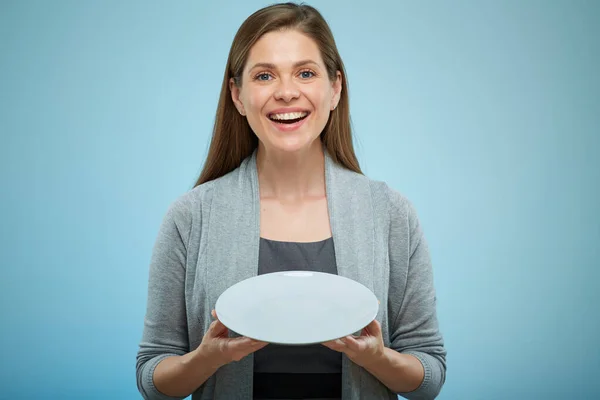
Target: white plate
[{"x": 296, "y": 307}]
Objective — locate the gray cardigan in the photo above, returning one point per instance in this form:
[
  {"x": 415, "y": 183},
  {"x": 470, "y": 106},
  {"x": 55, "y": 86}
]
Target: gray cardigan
[{"x": 209, "y": 240}]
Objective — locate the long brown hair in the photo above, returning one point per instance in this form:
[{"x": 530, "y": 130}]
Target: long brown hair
[{"x": 233, "y": 140}]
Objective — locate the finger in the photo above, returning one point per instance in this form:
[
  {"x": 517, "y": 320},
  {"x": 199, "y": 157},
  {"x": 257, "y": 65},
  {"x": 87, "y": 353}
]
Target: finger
[
  {"x": 244, "y": 341},
  {"x": 336, "y": 345},
  {"x": 374, "y": 328},
  {"x": 373, "y": 325},
  {"x": 241, "y": 351},
  {"x": 257, "y": 345},
  {"x": 353, "y": 344},
  {"x": 244, "y": 345},
  {"x": 327, "y": 344},
  {"x": 217, "y": 328},
  {"x": 213, "y": 313},
  {"x": 331, "y": 346},
  {"x": 255, "y": 342}
]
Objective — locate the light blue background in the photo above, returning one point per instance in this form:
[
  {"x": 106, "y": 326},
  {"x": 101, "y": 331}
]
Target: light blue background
[{"x": 486, "y": 114}]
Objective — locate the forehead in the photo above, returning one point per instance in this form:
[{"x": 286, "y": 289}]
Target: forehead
[{"x": 283, "y": 49}]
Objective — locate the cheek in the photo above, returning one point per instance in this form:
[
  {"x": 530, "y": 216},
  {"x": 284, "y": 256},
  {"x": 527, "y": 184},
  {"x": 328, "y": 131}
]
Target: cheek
[
  {"x": 256, "y": 99},
  {"x": 321, "y": 98}
]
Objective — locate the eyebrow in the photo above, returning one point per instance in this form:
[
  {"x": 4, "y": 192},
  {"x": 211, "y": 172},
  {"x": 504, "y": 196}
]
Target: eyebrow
[{"x": 272, "y": 66}]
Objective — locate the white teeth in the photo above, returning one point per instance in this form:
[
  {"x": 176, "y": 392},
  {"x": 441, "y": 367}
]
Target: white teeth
[{"x": 286, "y": 116}]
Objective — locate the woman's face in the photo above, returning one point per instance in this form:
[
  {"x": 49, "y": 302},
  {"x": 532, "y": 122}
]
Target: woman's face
[{"x": 285, "y": 92}]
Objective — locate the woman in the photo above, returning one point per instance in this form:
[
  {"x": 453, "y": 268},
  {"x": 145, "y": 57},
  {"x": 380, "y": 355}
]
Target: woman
[{"x": 281, "y": 182}]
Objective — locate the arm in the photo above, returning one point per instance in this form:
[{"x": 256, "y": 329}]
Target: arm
[
  {"x": 414, "y": 332},
  {"x": 414, "y": 365},
  {"x": 180, "y": 376},
  {"x": 401, "y": 373},
  {"x": 165, "y": 368}
]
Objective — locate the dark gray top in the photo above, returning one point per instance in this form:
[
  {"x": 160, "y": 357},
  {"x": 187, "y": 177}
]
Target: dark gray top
[{"x": 276, "y": 256}]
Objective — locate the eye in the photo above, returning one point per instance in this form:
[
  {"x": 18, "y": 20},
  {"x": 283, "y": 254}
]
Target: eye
[
  {"x": 263, "y": 76},
  {"x": 307, "y": 74}
]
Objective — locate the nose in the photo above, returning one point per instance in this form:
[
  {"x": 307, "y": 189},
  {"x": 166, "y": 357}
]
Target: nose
[{"x": 287, "y": 91}]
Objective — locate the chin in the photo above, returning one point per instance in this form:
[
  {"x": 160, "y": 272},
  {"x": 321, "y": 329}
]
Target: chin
[{"x": 292, "y": 145}]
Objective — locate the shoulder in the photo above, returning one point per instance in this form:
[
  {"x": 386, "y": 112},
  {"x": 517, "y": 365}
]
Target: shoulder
[
  {"x": 389, "y": 205},
  {"x": 188, "y": 206},
  {"x": 193, "y": 201},
  {"x": 399, "y": 215},
  {"x": 392, "y": 202}
]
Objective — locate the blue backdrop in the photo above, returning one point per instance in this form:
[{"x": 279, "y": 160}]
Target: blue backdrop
[{"x": 485, "y": 114}]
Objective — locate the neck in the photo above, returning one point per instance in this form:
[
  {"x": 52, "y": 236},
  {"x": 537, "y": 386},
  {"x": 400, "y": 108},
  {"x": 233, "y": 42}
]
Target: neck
[{"x": 291, "y": 176}]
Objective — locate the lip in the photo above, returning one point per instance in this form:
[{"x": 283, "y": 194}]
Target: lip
[
  {"x": 288, "y": 127},
  {"x": 287, "y": 110}
]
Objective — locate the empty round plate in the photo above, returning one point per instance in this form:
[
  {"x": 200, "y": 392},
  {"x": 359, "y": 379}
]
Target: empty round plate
[{"x": 297, "y": 307}]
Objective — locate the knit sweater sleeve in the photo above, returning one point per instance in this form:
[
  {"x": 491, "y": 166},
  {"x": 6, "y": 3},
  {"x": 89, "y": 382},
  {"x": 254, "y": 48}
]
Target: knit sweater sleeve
[
  {"x": 414, "y": 329},
  {"x": 165, "y": 323}
]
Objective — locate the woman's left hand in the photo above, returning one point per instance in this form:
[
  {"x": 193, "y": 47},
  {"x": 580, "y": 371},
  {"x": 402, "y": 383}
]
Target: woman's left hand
[{"x": 364, "y": 350}]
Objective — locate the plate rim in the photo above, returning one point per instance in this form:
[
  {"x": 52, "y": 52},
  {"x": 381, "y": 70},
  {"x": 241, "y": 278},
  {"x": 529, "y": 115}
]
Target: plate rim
[{"x": 227, "y": 321}]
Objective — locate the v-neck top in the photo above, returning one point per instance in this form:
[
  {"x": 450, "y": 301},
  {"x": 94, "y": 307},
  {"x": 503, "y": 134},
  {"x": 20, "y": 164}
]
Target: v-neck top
[{"x": 293, "y": 372}]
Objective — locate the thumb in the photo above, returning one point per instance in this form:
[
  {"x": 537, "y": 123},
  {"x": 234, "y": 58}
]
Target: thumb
[
  {"x": 217, "y": 328},
  {"x": 374, "y": 328}
]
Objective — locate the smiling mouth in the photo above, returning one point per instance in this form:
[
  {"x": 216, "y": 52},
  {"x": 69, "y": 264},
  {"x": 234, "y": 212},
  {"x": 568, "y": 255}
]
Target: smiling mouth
[{"x": 288, "y": 119}]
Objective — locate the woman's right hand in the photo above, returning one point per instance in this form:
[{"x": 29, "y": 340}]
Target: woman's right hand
[{"x": 220, "y": 349}]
